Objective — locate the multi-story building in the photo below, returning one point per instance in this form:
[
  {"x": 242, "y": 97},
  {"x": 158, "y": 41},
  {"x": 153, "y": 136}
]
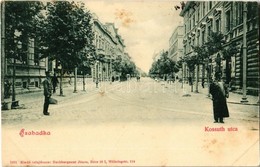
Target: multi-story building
[
  {"x": 176, "y": 43},
  {"x": 226, "y": 17},
  {"x": 29, "y": 72},
  {"x": 109, "y": 45},
  {"x": 176, "y": 46}
]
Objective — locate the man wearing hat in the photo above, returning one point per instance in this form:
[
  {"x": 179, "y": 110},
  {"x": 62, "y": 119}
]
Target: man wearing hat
[{"x": 47, "y": 92}]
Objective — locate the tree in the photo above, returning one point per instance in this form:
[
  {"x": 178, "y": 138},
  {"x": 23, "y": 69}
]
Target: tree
[
  {"x": 191, "y": 61},
  {"x": 215, "y": 44},
  {"x": 67, "y": 33},
  {"x": 67, "y": 36},
  {"x": 164, "y": 66},
  {"x": 20, "y": 20},
  {"x": 230, "y": 51},
  {"x": 199, "y": 58}
]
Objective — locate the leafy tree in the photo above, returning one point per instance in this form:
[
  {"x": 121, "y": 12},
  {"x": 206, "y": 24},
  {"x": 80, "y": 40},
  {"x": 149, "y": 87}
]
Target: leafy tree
[
  {"x": 116, "y": 64},
  {"x": 215, "y": 42},
  {"x": 67, "y": 33},
  {"x": 164, "y": 66},
  {"x": 230, "y": 51},
  {"x": 20, "y": 23}
]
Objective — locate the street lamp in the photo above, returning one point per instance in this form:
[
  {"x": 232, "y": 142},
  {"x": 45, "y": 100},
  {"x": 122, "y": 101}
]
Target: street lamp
[
  {"x": 244, "y": 98},
  {"x": 97, "y": 73},
  {"x": 83, "y": 73},
  {"x": 75, "y": 80}
]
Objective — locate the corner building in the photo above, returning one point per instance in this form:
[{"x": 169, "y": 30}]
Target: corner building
[{"x": 203, "y": 18}]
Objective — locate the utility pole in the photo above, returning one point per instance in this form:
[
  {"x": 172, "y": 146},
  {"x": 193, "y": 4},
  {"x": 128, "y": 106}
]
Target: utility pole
[{"x": 244, "y": 98}]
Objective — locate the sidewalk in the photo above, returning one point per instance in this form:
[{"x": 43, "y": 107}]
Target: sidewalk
[
  {"x": 27, "y": 100},
  {"x": 234, "y": 98}
]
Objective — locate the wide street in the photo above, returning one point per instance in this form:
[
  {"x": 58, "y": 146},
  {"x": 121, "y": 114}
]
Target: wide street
[{"x": 134, "y": 123}]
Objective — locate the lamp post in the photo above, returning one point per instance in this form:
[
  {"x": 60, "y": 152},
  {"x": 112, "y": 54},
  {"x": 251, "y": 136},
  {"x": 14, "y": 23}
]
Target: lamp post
[
  {"x": 208, "y": 75},
  {"x": 61, "y": 73},
  {"x": 97, "y": 74},
  {"x": 83, "y": 74},
  {"x": 75, "y": 80},
  {"x": 244, "y": 98},
  {"x": 14, "y": 102}
]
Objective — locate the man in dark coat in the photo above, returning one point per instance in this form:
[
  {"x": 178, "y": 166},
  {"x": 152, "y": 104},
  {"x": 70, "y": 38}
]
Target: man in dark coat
[
  {"x": 47, "y": 93},
  {"x": 219, "y": 93}
]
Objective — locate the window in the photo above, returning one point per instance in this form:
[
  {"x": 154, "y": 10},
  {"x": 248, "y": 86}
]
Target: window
[
  {"x": 198, "y": 16},
  {"x": 194, "y": 20},
  {"x": 228, "y": 27},
  {"x": 209, "y": 30},
  {"x": 240, "y": 12},
  {"x": 190, "y": 25},
  {"x": 218, "y": 25},
  {"x": 203, "y": 37},
  {"x": 203, "y": 8},
  {"x": 252, "y": 10},
  {"x": 210, "y": 4}
]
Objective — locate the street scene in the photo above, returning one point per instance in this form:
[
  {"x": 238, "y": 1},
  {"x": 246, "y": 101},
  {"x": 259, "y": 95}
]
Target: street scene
[
  {"x": 130, "y": 120},
  {"x": 94, "y": 84}
]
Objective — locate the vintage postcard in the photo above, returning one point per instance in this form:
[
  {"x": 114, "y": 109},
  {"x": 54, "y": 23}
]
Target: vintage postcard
[{"x": 129, "y": 83}]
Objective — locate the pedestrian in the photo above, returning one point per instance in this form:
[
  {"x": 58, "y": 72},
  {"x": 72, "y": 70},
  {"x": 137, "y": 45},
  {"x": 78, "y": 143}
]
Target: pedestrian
[
  {"x": 54, "y": 81},
  {"x": 138, "y": 78},
  {"x": 47, "y": 93},
  {"x": 190, "y": 80},
  {"x": 219, "y": 94},
  {"x": 113, "y": 78},
  {"x": 7, "y": 86},
  {"x": 202, "y": 83}
]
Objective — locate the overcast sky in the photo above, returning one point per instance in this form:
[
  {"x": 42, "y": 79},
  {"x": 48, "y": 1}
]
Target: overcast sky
[{"x": 145, "y": 25}]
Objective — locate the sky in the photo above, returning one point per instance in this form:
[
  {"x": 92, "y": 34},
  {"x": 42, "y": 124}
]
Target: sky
[{"x": 145, "y": 25}]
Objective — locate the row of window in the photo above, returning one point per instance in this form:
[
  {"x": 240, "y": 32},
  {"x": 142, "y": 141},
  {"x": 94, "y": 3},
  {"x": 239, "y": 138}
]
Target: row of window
[
  {"x": 232, "y": 14},
  {"x": 232, "y": 17}
]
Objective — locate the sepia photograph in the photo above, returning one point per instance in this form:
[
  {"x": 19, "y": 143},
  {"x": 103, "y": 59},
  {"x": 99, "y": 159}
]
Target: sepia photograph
[{"x": 129, "y": 83}]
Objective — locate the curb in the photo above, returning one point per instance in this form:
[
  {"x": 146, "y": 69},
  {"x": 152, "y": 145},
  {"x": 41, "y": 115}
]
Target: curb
[{"x": 252, "y": 104}]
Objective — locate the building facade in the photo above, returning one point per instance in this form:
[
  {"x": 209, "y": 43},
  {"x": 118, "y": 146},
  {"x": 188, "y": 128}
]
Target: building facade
[
  {"x": 109, "y": 45},
  {"x": 176, "y": 46},
  {"x": 28, "y": 73},
  {"x": 203, "y": 18},
  {"x": 176, "y": 43}
]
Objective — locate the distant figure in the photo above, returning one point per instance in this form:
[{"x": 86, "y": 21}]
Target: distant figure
[
  {"x": 169, "y": 79},
  {"x": 190, "y": 80},
  {"x": 113, "y": 78},
  {"x": 202, "y": 82},
  {"x": 47, "y": 93},
  {"x": 7, "y": 86},
  {"x": 138, "y": 78},
  {"x": 54, "y": 82},
  {"x": 219, "y": 94}
]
